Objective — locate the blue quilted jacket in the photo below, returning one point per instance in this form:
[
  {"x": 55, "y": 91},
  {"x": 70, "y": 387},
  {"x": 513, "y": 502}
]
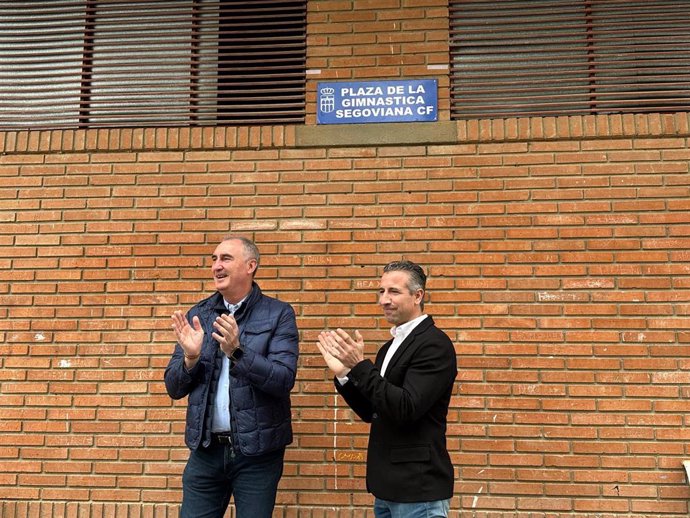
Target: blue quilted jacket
[{"x": 260, "y": 382}]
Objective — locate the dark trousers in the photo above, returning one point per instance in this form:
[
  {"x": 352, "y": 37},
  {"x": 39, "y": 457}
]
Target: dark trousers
[{"x": 216, "y": 473}]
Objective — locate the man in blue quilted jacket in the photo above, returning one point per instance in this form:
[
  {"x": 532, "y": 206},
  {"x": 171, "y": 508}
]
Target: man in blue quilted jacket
[{"x": 235, "y": 359}]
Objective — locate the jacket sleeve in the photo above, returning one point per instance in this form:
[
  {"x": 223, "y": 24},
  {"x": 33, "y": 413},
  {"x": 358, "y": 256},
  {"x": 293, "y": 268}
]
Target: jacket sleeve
[
  {"x": 178, "y": 381},
  {"x": 426, "y": 378},
  {"x": 356, "y": 401},
  {"x": 275, "y": 372}
]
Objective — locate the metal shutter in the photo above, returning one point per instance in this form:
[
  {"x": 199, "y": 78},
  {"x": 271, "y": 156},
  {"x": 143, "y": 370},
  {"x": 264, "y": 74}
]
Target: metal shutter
[
  {"x": 152, "y": 63},
  {"x": 558, "y": 57}
]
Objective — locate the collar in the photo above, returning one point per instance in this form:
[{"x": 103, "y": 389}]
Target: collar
[
  {"x": 405, "y": 329},
  {"x": 232, "y": 308}
]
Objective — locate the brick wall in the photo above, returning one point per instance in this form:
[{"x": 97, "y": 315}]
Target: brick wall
[
  {"x": 376, "y": 40},
  {"x": 558, "y": 254}
]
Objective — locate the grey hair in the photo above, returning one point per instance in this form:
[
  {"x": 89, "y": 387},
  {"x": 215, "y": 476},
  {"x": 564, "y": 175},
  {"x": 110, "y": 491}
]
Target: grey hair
[{"x": 251, "y": 251}]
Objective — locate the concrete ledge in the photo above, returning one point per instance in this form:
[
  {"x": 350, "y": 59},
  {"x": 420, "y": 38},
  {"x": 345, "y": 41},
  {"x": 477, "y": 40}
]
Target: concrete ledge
[{"x": 395, "y": 134}]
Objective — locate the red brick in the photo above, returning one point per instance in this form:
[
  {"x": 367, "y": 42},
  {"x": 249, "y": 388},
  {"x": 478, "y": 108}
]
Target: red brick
[{"x": 557, "y": 264}]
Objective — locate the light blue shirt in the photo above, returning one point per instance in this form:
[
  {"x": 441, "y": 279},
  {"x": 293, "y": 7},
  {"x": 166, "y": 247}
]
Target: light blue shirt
[{"x": 221, "y": 405}]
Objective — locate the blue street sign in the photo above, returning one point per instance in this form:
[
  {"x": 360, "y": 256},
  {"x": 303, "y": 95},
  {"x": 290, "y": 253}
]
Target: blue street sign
[{"x": 362, "y": 102}]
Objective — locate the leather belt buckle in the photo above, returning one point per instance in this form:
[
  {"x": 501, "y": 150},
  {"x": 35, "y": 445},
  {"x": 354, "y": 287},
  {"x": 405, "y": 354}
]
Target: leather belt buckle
[{"x": 222, "y": 438}]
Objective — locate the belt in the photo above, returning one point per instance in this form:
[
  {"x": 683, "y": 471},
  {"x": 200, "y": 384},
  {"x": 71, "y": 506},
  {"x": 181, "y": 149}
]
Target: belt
[{"x": 221, "y": 438}]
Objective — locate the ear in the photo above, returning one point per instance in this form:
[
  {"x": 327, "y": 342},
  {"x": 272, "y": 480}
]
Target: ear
[
  {"x": 252, "y": 266},
  {"x": 419, "y": 297}
]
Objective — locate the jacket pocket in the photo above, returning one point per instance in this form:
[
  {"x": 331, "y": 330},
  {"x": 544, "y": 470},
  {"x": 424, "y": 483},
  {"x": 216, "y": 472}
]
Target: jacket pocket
[
  {"x": 258, "y": 327},
  {"x": 410, "y": 454},
  {"x": 256, "y": 335}
]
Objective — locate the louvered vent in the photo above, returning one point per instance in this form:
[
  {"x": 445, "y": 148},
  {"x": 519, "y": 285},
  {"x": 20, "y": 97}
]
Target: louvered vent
[
  {"x": 559, "y": 57},
  {"x": 151, "y": 63}
]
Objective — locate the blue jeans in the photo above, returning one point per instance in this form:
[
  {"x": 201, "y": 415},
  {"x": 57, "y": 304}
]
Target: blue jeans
[
  {"x": 216, "y": 473},
  {"x": 387, "y": 509}
]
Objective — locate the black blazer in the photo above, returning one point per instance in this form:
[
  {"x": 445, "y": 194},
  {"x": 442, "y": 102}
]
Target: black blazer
[{"x": 407, "y": 459}]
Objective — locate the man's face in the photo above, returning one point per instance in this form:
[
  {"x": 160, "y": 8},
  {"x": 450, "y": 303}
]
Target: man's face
[
  {"x": 232, "y": 272},
  {"x": 399, "y": 305}
]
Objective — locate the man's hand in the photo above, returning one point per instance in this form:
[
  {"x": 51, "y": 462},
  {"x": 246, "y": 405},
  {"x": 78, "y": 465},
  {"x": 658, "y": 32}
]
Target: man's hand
[
  {"x": 340, "y": 351},
  {"x": 227, "y": 333},
  {"x": 190, "y": 338},
  {"x": 331, "y": 361}
]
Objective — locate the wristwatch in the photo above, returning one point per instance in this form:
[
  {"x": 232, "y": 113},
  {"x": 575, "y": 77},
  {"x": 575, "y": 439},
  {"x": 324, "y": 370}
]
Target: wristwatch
[{"x": 236, "y": 354}]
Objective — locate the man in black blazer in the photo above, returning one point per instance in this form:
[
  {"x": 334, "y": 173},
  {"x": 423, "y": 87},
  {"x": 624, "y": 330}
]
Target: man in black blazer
[{"x": 404, "y": 394}]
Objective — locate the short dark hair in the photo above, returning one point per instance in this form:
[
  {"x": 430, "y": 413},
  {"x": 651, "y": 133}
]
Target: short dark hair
[{"x": 416, "y": 278}]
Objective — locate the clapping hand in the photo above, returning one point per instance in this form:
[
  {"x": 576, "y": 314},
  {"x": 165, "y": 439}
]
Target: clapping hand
[
  {"x": 189, "y": 337},
  {"x": 340, "y": 351}
]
